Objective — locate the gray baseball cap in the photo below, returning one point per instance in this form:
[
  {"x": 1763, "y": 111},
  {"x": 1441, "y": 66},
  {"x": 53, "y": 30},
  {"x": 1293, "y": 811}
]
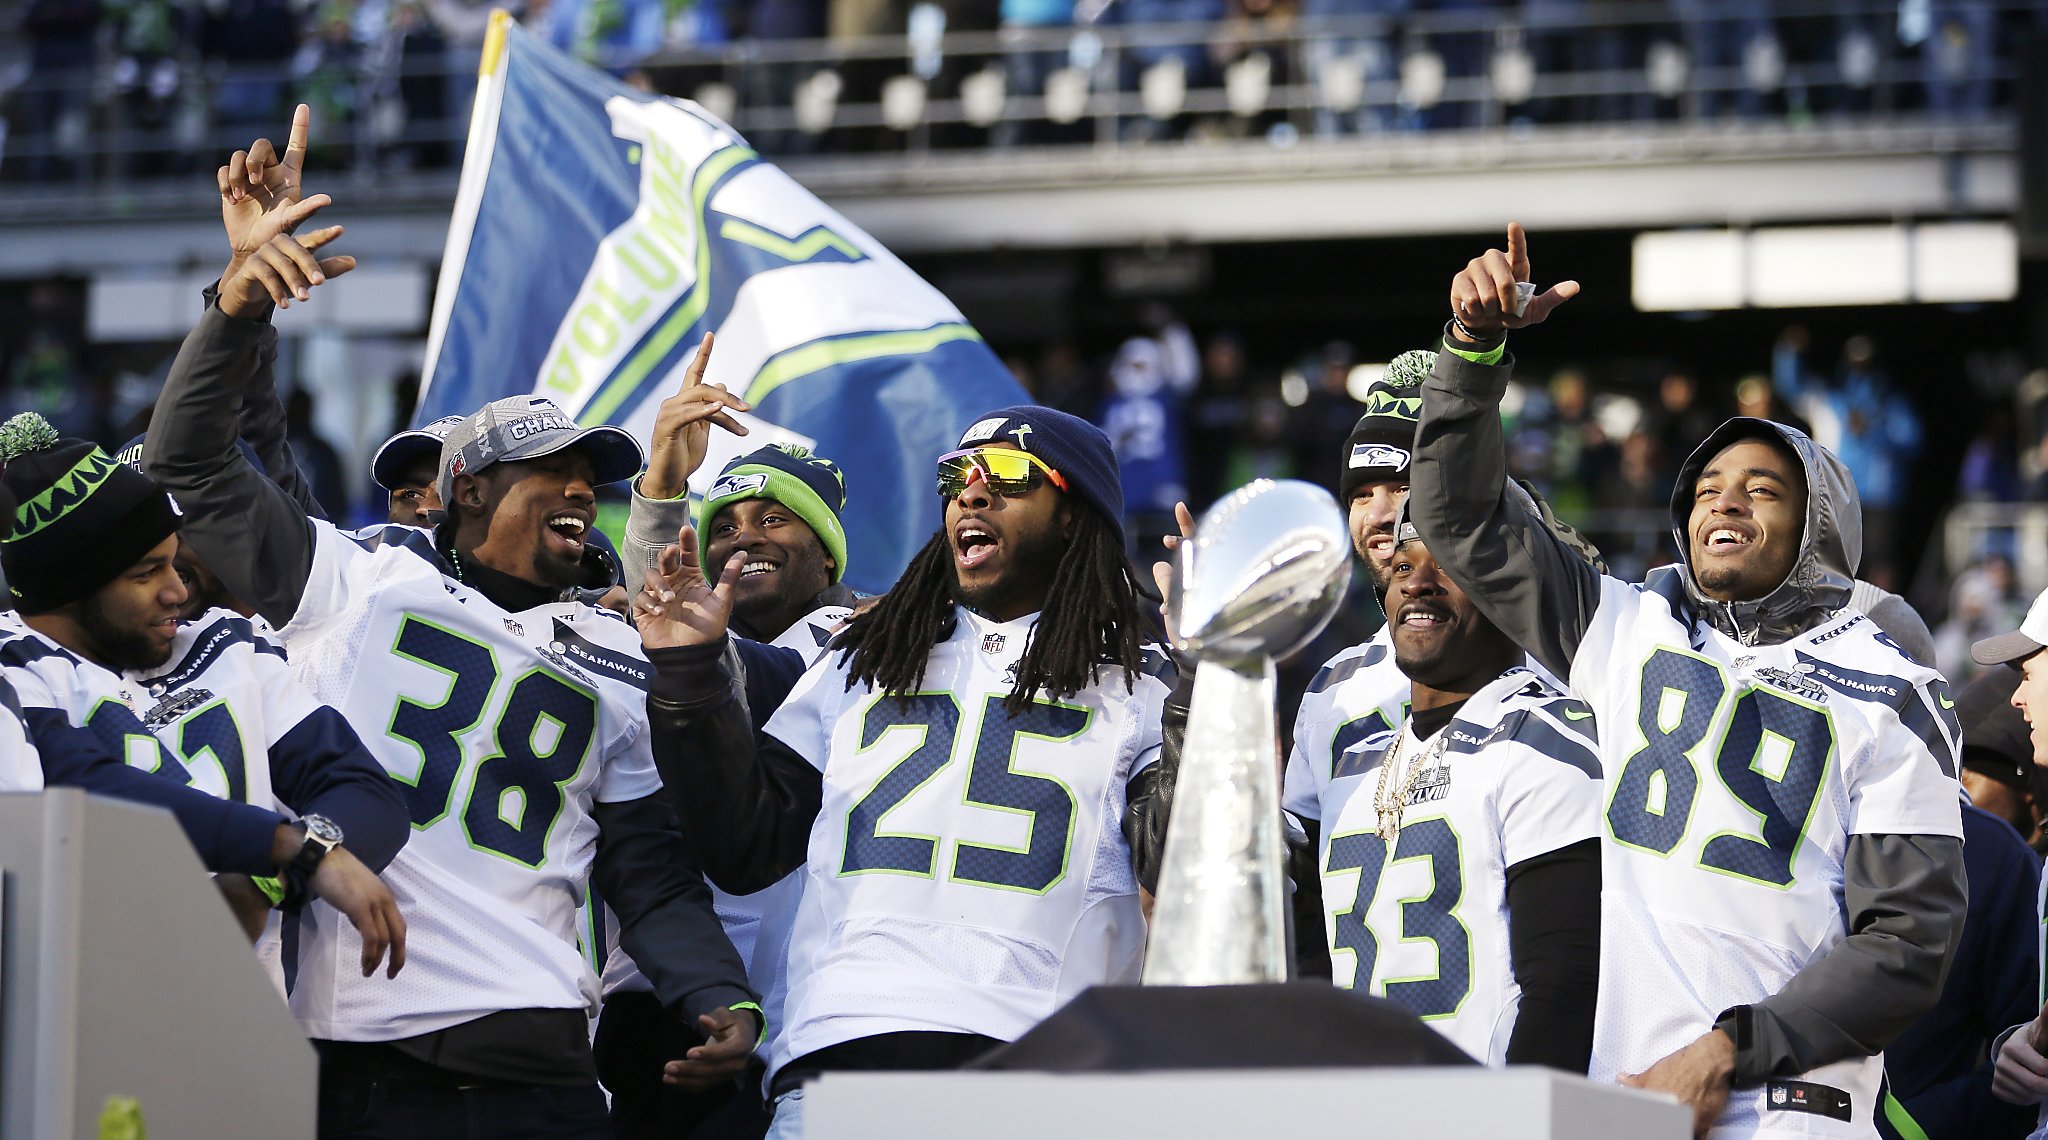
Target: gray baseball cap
[
  {"x": 2012, "y": 648},
  {"x": 405, "y": 450},
  {"x": 528, "y": 427}
]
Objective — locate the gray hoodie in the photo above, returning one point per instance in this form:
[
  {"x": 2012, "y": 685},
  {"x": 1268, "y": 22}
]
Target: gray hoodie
[{"x": 1903, "y": 896}]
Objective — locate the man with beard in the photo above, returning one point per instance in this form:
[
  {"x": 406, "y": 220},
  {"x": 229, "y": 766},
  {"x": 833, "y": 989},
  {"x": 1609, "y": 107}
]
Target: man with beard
[
  {"x": 1783, "y": 873},
  {"x": 1484, "y": 805},
  {"x": 1003, "y": 676},
  {"x": 95, "y": 644},
  {"x": 514, "y": 713}
]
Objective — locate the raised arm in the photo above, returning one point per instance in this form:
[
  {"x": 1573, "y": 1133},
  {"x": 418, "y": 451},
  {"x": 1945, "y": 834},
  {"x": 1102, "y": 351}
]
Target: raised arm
[
  {"x": 250, "y": 533},
  {"x": 1481, "y": 527},
  {"x": 682, "y": 433}
]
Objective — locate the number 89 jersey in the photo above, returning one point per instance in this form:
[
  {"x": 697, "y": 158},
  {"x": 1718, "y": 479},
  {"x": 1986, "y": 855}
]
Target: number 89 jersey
[
  {"x": 1424, "y": 921},
  {"x": 1735, "y": 776},
  {"x": 503, "y": 728},
  {"x": 967, "y": 871}
]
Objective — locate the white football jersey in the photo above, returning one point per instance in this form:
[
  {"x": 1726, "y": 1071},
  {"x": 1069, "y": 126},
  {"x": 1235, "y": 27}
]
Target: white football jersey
[
  {"x": 1425, "y": 923},
  {"x": 1357, "y": 694},
  {"x": 968, "y": 871},
  {"x": 206, "y": 718},
  {"x": 1735, "y": 776},
  {"x": 758, "y": 924},
  {"x": 504, "y": 728}
]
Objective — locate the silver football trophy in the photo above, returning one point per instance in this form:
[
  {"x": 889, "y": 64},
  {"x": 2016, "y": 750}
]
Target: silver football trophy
[{"x": 1263, "y": 574}]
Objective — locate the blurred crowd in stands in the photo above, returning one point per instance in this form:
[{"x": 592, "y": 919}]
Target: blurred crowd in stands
[
  {"x": 1192, "y": 418},
  {"x": 394, "y": 76}
]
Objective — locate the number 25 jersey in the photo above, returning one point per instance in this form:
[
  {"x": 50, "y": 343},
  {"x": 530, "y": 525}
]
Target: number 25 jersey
[
  {"x": 1735, "y": 776},
  {"x": 504, "y": 728},
  {"x": 967, "y": 871}
]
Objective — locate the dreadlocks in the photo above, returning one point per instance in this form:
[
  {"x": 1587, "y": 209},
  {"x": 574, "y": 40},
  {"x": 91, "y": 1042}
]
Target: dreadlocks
[{"x": 1091, "y": 618}]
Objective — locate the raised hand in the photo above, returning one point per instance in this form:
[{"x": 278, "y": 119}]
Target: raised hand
[
  {"x": 682, "y": 429},
  {"x": 1483, "y": 295},
  {"x": 676, "y": 606},
  {"x": 282, "y": 268},
  {"x": 257, "y": 188},
  {"x": 353, "y": 889}
]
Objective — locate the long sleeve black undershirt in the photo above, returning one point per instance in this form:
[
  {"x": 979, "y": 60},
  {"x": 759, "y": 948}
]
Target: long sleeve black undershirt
[{"x": 1554, "y": 948}]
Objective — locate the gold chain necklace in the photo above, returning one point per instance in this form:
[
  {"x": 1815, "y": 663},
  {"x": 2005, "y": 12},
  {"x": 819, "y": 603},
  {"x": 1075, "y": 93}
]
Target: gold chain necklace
[{"x": 1390, "y": 801}]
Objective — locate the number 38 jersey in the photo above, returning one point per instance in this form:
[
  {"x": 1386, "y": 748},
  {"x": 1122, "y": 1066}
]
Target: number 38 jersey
[
  {"x": 1735, "y": 776},
  {"x": 968, "y": 871},
  {"x": 503, "y": 728},
  {"x": 1423, "y": 921}
]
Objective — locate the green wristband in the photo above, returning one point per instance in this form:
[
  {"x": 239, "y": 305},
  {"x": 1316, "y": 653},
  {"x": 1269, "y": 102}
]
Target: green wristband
[
  {"x": 271, "y": 886},
  {"x": 760, "y": 1013},
  {"x": 1478, "y": 356}
]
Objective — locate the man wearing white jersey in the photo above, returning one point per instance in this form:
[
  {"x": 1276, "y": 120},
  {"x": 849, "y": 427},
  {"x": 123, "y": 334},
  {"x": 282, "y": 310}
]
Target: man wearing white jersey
[
  {"x": 514, "y": 714},
  {"x": 1458, "y": 852},
  {"x": 1783, "y": 868},
  {"x": 96, "y": 644},
  {"x": 780, "y": 506},
  {"x": 950, "y": 777}
]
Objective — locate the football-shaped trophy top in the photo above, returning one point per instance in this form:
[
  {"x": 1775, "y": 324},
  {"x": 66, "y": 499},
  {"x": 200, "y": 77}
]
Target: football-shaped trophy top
[{"x": 1263, "y": 574}]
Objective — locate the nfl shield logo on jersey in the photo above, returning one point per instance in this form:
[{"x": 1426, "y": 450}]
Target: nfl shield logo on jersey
[
  {"x": 993, "y": 643},
  {"x": 514, "y": 628}
]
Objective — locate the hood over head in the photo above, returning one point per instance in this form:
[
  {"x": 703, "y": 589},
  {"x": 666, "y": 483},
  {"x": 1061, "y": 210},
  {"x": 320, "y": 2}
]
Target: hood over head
[{"x": 1830, "y": 545}]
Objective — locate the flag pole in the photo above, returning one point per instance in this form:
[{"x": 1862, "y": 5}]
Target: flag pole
[{"x": 469, "y": 191}]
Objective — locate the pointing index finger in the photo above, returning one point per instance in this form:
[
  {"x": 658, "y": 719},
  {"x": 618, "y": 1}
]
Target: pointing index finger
[
  {"x": 693, "y": 376},
  {"x": 295, "y": 146},
  {"x": 1518, "y": 250}
]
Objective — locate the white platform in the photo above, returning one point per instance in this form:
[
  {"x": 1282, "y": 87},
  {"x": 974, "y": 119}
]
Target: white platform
[{"x": 1410, "y": 1103}]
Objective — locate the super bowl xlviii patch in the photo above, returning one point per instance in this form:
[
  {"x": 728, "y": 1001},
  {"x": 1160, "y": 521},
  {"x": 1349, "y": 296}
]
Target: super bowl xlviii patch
[
  {"x": 1378, "y": 455},
  {"x": 174, "y": 706},
  {"x": 993, "y": 642},
  {"x": 1793, "y": 683}
]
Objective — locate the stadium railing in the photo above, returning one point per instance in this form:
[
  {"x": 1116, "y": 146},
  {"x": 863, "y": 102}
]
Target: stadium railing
[{"x": 395, "y": 107}]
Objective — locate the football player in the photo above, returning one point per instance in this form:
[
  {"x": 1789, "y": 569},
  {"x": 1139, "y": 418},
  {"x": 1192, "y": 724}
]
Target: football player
[
  {"x": 516, "y": 717},
  {"x": 949, "y": 777},
  {"x": 95, "y": 643},
  {"x": 408, "y": 467},
  {"x": 781, "y": 505},
  {"x": 1458, "y": 850},
  {"x": 1783, "y": 868}
]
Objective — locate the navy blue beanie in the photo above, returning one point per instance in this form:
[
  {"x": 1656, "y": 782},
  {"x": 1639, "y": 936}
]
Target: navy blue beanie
[{"x": 1069, "y": 445}]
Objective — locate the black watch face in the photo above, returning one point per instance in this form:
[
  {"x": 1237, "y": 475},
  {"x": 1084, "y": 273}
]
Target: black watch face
[{"x": 323, "y": 829}]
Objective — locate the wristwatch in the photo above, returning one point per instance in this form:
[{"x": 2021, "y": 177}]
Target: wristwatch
[{"x": 322, "y": 835}]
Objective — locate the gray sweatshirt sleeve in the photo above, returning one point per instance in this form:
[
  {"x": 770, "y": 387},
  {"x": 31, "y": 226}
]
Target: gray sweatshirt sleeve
[
  {"x": 1523, "y": 577},
  {"x": 250, "y": 533},
  {"x": 1905, "y": 896},
  {"x": 651, "y": 525}
]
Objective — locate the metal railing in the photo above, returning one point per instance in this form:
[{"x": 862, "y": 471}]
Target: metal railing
[{"x": 398, "y": 103}]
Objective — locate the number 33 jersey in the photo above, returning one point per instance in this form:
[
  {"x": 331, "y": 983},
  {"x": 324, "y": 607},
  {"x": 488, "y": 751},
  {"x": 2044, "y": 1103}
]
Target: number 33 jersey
[
  {"x": 1423, "y": 922},
  {"x": 1735, "y": 776},
  {"x": 503, "y": 728},
  {"x": 968, "y": 871}
]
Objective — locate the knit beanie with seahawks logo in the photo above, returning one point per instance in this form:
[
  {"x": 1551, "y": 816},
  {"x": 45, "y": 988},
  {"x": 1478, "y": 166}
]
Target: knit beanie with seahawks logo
[
  {"x": 80, "y": 517},
  {"x": 1382, "y": 443},
  {"x": 811, "y": 486}
]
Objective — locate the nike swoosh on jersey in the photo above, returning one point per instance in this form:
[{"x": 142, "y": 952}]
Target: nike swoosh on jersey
[{"x": 1575, "y": 714}]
